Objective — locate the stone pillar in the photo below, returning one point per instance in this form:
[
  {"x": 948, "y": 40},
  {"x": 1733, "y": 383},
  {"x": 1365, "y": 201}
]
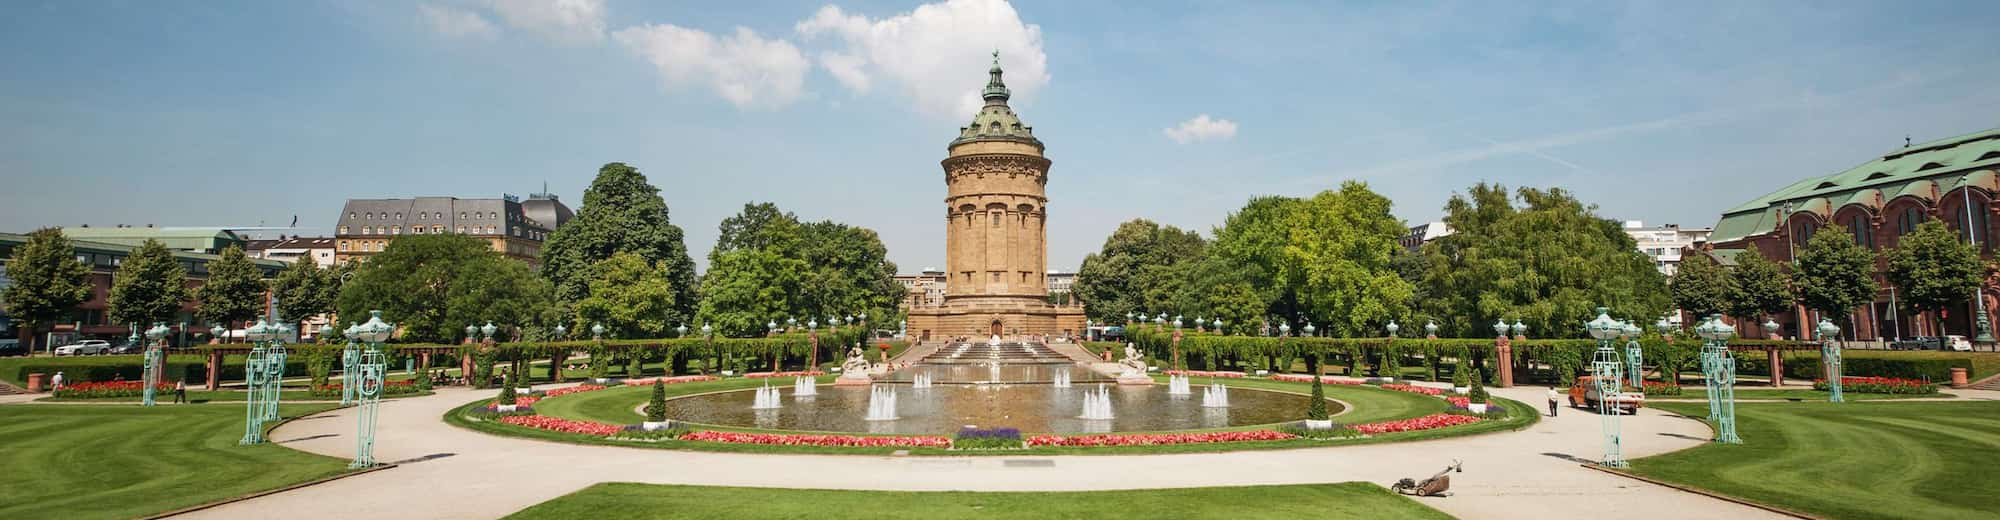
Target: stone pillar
[
  {"x": 35, "y": 382},
  {"x": 1177, "y": 350},
  {"x": 424, "y": 361},
  {"x": 812, "y": 358},
  {"x": 1777, "y": 359},
  {"x": 465, "y": 368},
  {"x": 214, "y": 370},
  {"x": 1958, "y": 377},
  {"x": 1504, "y": 360}
]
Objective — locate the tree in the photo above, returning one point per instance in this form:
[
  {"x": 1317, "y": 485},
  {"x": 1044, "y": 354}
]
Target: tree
[
  {"x": 1141, "y": 268},
  {"x": 48, "y": 283},
  {"x": 1237, "y": 305},
  {"x": 302, "y": 290},
  {"x": 1758, "y": 287},
  {"x": 234, "y": 290},
  {"x": 150, "y": 287},
  {"x": 1249, "y": 249},
  {"x": 848, "y": 272},
  {"x": 1339, "y": 259},
  {"x": 1835, "y": 275},
  {"x": 761, "y": 225},
  {"x": 656, "y": 406},
  {"x": 744, "y": 289},
  {"x": 432, "y": 286},
  {"x": 621, "y": 212},
  {"x": 631, "y": 298},
  {"x": 1548, "y": 261},
  {"x": 1932, "y": 269},
  {"x": 1701, "y": 286}
]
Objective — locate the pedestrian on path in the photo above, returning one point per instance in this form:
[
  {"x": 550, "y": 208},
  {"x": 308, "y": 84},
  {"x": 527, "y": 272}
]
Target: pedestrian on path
[
  {"x": 180, "y": 392},
  {"x": 57, "y": 381},
  {"x": 1554, "y": 397}
]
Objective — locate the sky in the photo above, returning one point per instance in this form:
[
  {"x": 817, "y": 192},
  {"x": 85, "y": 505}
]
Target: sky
[{"x": 246, "y": 113}]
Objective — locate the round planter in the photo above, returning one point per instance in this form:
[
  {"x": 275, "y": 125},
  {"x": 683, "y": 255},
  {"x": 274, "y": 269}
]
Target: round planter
[
  {"x": 654, "y": 426},
  {"x": 1461, "y": 390},
  {"x": 524, "y": 390},
  {"x": 1476, "y": 407},
  {"x": 503, "y": 408},
  {"x": 1326, "y": 424}
]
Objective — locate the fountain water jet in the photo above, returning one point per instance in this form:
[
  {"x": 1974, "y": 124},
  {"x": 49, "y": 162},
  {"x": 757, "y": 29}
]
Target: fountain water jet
[
  {"x": 921, "y": 381},
  {"x": 881, "y": 403},
  {"x": 1061, "y": 379},
  {"x": 1097, "y": 404},
  {"x": 1215, "y": 396},
  {"x": 1178, "y": 385},
  {"x": 803, "y": 387},
  {"x": 767, "y": 398}
]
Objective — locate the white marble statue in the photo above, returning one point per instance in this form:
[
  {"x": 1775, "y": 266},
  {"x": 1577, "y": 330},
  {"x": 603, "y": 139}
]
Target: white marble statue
[
  {"x": 1135, "y": 362},
  {"x": 857, "y": 362}
]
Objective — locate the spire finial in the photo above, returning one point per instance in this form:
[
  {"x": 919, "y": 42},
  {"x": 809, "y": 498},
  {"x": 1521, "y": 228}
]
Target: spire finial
[{"x": 996, "y": 89}]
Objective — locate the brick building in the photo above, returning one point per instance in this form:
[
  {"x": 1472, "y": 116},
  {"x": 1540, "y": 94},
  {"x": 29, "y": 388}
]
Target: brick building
[
  {"x": 516, "y": 229},
  {"x": 1950, "y": 179},
  {"x": 89, "y": 319}
]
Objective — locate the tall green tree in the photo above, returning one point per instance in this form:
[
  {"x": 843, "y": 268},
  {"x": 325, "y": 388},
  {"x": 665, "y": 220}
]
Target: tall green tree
[
  {"x": 1342, "y": 247},
  {"x": 629, "y": 297},
  {"x": 432, "y": 286},
  {"x": 234, "y": 290},
  {"x": 761, "y": 225},
  {"x": 621, "y": 212},
  {"x": 1141, "y": 268},
  {"x": 747, "y": 288},
  {"x": 303, "y": 290},
  {"x": 1249, "y": 249},
  {"x": 1835, "y": 275},
  {"x": 1758, "y": 288},
  {"x": 1547, "y": 261},
  {"x": 1237, "y": 305},
  {"x": 150, "y": 287},
  {"x": 1701, "y": 286},
  {"x": 48, "y": 283},
  {"x": 848, "y": 273},
  {"x": 1932, "y": 269}
]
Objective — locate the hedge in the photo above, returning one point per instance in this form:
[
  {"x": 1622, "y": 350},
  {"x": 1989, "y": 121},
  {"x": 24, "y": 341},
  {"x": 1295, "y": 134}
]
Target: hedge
[
  {"x": 192, "y": 369},
  {"x": 1804, "y": 365}
]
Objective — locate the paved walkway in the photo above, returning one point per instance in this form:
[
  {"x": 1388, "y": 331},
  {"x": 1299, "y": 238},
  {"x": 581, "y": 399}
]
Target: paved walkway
[{"x": 454, "y": 473}]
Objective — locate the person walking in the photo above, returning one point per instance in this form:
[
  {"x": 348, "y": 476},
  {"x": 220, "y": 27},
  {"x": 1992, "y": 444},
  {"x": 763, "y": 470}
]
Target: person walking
[
  {"x": 57, "y": 381},
  {"x": 1554, "y": 397},
  {"x": 180, "y": 392}
]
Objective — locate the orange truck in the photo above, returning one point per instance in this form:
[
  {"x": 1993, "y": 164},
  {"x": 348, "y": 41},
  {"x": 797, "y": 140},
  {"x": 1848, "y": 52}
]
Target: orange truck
[{"x": 1583, "y": 394}]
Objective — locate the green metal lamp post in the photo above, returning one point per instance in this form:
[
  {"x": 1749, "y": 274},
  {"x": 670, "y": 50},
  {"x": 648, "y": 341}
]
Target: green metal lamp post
[
  {"x": 1829, "y": 352},
  {"x": 369, "y": 395},
  {"x": 1983, "y": 332},
  {"x": 350, "y": 358},
  {"x": 1634, "y": 356},
  {"x": 155, "y": 356},
  {"x": 1606, "y": 377},
  {"x": 253, "y": 376},
  {"x": 1718, "y": 367},
  {"x": 274, "y": 364}
]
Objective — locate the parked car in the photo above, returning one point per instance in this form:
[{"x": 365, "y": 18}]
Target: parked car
[
  {"x": 85, "y": 347},
  {"x": 128, "y": 348},
  {"x": 1956, "y": 342},
  {"x": 1583, "y": 394},
  {"x": 1918, "y": 343},
  {"x": 12, "y": 347}
]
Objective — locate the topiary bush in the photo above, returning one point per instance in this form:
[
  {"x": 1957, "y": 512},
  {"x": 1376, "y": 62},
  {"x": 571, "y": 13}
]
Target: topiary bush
[
  {"x": 656, "y": 408},
  {"x": 1317, "y": 410},
  {"x": 507, "y": 390},
  {"x": 1478, "y": 394},
  {"x": 1461, "y": 374}
]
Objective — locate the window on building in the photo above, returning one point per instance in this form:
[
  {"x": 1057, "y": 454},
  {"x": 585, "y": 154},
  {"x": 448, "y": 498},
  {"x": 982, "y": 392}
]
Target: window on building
[
  {"x": 1910, "y": 218},
  {"x": 461, "y": 214},
  {"x": 399, "y": 215},
  {"x": 367, "y": 216},
  {"x": 461, "y": 230},
  {"x": 1975, "y": 232},
  {"x": 396, "y": 230},
  {"x": 1859, "y": 226},
  {"x": 367, "y": 230},
  {"x": 343, "y": 230},
  {"x": 351, "y": 214},
  {"x": 996, "y": 277},
  {"x": 1802, "y": 232},
  {"x": 437, "y": 228},
  {"x": 343, "y": 246}
]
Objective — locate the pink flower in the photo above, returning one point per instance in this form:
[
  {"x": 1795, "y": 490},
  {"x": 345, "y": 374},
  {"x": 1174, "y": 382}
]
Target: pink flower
[
  {"x": 1154, "y": 439},
  {"x": 671, "y": 380},
  {"x": 542, "y": 422},
  {"x": 794, "y": 373},
  {"x": 1204, "y": 373},
  {"x": 571, "y": 390},
  {"x": 1428, "y": 422},
  {"x": 853, "y": 441},
  {"x": 1303, "y": 378},
  {"x": 1413, "y": 389}
]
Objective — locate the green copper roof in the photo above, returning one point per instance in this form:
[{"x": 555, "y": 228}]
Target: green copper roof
[
  {"x": 996, "y": 120},
  {"x": 1914, "y": 170}
]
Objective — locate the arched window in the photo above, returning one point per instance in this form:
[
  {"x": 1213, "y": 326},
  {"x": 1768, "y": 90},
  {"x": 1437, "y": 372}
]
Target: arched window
[
  {"x": 1802, "y": 232},
  {"x": 1909, "y": 219},
  {"x": 1976, "y": 232},
  {"x": 1859, "y": 226}
]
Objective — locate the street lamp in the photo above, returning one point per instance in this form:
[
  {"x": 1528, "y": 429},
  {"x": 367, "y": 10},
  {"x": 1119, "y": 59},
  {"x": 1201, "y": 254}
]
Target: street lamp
[
  {"x": 215, "y": 333},
  {"x": 1718, "y": 369},
  {"x": 1607, "y": 378},
  {"x": 1984, "y": 329},
  {"x": 1500, "y": 328},
  {"x": 1177, "y": 323},
  {"x": 350, "y": 359},
  {"x": 1309, "y": 329},
  {"x": 1430, "y": 328},
  {"x": 1520, "y": 329},
  {"x": 369, "y": 381},
  {"x": 1633, "y": 356},
  {"x": 1829, "y": 353},
  {"x": 154, "y": 353}
]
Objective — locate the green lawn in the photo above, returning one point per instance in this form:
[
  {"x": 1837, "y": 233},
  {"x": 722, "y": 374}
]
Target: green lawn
[
  {"x": 1698, "y": 393},
  {"x": 219, "y": 396},
  {"x": 1850, "y": 460},
  {"x": 1344, "y": 500},
  {"x": 125, "y": 461}
]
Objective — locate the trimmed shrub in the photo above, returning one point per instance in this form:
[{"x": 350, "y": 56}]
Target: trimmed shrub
[
  {"x": 656, "y": 408},
  {"x": 1478, "y": 394},
  {"x": 507, "y": 390}
]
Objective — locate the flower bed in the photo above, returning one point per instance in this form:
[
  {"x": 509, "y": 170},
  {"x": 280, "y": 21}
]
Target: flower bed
[
  {"x": 1880, "y": 385},
  {"x": 854, "y": 441},
  {"x": 542, "y": 422},
  {"x": 1153, "y": 439},
  {"x": 92, "y": 390},
  {"x": 521, "y": 400},
  {"x": 987, "y": 439},
  {"x": 794, "y": 373},
  {"x": 388, "y": 388},
  {"x": 571, "y": 390},
  {"x": 671, "y": 380},
  {"x": 1303, "y": 378},
  {"x": 1205, "y": 373},
  {"x": 1427, "y": 422},
  {"x": 1413, "y": 389},
  {"x": 1653, "y": 388},
  {"x": 1459, "y": 401}
]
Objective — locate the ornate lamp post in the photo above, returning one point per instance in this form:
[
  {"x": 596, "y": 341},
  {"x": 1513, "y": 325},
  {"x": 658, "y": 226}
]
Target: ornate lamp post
[
  {"x": 1430, "y": 329},
  {"x": 1829, "y": 352},
  {"x": 274, "y": 358},
  {"x": 1771, "y": 327},
  {"x": 350, "y": 359},
  {"x": 1284, "y": 329},
  {"x": 1665, "y": 328},
  {"x": 1634, "y": 356},
  {"x": 1520, "y": 329},
  {"x": 155, "y": 354},
  {"x": 1219, "y": 329},
  {"x": 1718, "y": 368},
  {"x": 1984, "y": 332},
  {"x": 253, "y": 376},
  {"x": 1606, "y": 377},
  {"x": 369, "y": 395}
]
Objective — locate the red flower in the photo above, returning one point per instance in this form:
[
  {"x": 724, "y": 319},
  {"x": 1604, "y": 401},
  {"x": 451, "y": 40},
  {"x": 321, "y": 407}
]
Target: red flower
[
  {"x": 1413, "y": 389},
  {"x": 570, "y": 390},
  {"x": 1428, "y": 422},
  {"x": 794, "y": 373},
  {"x": 671, "y": 380},
  {"x": 1154, "y": 439},
  {"x": 855, "y": 441},
  {"x": 1204, "y": 373},
  {"x": 1303, "y": 378},
  {"x": 542, "y": 422}
]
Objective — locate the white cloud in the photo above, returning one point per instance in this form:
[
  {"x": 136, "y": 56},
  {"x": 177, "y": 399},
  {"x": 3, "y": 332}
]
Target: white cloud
[
  {"x": 1202, "y": 128},
  {"x": 744, "y": 68},
  {"x": 563, "y": 21},
  {"x": 457, "y": 23},
  {"x": 935, "y": 55}
]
